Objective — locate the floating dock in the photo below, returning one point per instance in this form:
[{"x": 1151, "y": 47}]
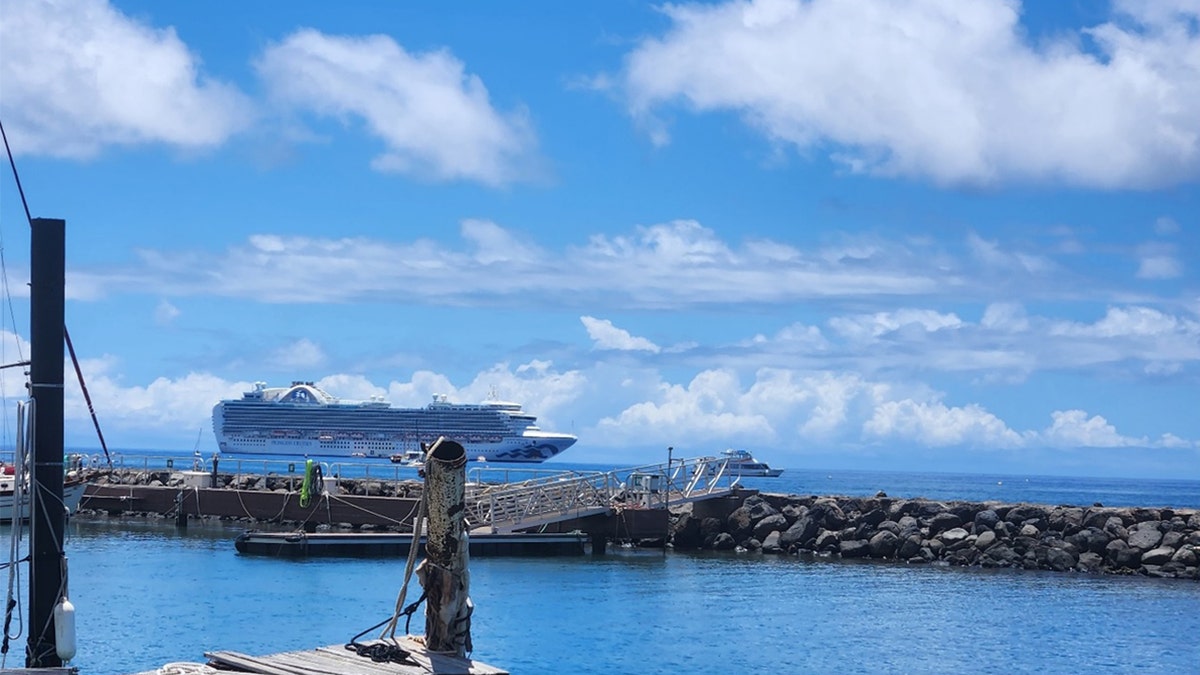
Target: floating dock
[
  {"x": 302, "y": 544},
  {"x": 334, "y": 660}
]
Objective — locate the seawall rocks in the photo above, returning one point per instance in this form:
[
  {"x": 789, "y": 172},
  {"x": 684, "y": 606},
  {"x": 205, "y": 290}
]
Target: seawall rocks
[{"x": 1154, "y": 542}]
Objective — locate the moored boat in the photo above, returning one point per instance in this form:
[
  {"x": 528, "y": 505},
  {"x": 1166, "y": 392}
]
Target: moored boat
[{"x": 742, "y": 463}]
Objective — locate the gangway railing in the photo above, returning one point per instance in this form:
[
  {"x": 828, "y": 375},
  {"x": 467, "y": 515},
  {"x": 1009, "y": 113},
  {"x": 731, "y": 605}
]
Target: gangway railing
[{"x": 543, "y": 500}]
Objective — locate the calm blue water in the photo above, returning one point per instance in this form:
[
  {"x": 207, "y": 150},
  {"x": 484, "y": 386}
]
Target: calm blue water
[{"x": 147, "y": 595}]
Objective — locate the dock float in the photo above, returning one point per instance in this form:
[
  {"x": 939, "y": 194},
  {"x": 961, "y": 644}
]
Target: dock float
[
  {"x": 337, "y": 660},
  {"x": 362, "y": 544}
]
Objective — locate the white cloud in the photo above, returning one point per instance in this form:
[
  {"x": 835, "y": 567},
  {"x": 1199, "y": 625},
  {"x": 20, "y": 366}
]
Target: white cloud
[
  {"x": 79, "y": 76},
  {"x": 1159, "y": 267},
  {"x": 1073, "y": 428},
  {"x": 165, "y": 313},
  {"x": 951, "y": 91},
  {"x": 1005, "y": 316},
  {"x": 666, "y": 265},
  {"x": 303, "y": 354},
  {"x": 607, "y": 336},
  {"x": 933, "y": 423},
  {"x": 1131, "y": 322},
  {"x": 867, "y": 327},
  {"x": 435, "y": 119}
]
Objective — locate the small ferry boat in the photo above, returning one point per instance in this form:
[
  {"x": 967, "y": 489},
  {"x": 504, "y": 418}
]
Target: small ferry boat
[
  {"x": 413, "y": 458},
  {"x": 742, "y": 463}
]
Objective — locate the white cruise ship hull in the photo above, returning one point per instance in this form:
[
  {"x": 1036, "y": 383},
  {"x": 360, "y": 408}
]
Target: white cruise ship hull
[
  {"x": 529, "y": 451},
  {"x": 303, "y": 419}
]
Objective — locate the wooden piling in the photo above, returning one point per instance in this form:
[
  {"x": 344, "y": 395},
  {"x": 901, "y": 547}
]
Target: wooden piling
[{"x": 443, "y": 573}]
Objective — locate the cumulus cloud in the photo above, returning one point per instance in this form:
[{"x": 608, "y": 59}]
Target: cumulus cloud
[
  {"x": 1073, "y": 428},
  {"x": 938, "y": 425},
  {"x": 607, "y": 336},
  {"x": 79, "y": 76},
  {"x": 950, "y": 91},
  {"x": 435, "y": 120},
  {"x": 303, "y": 354}
]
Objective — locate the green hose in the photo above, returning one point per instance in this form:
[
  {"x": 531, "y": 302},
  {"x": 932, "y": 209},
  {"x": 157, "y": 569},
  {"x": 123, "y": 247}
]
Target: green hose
[{"x": 307, "y": 485}]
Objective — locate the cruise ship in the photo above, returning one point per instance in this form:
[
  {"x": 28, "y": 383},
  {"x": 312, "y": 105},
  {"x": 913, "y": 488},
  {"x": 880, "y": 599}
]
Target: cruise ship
[{"x": 303, "y": 419}]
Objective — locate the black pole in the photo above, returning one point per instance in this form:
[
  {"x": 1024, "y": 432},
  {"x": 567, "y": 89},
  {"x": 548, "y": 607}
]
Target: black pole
[{"x": 47, "y": 518}]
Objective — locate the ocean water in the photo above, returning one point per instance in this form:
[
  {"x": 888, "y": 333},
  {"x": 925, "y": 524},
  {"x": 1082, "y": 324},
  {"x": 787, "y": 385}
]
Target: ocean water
[{"x": 148, "y": 594}]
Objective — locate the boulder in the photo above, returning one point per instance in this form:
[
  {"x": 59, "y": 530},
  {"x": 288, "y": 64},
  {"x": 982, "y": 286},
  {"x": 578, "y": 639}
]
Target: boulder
[
  {"x": 1029, "y": 530},
  {"x": 724, "y": 542},
  {"x": 1120, "y": 554},
  {"x": 759, "y": 508},
  {"x": 884, "y": 544},
  {"x": 1185, "y": 556},
  {"x": 1172, "y": 539},
  {"x": 1089, "y": 562},
  {"x": 909, "y": 547},
  {"x": 942, "y": 522},
  {"x": 776, "y": 521},
  {"x": 770, "y": 544},
  {"x": 986, "y": 520},
  {"x": 999, "y": 555},
  {"x": 1024, "y": 513},
  {"x": 1158, "y": 556},
  {"x": 739, "y": 523},
  {"x": 953, "y": 536},
  {"x": 855, "y": 548},
  {"x": 1060, "y": 560},
  {"x": 793, "y": 512},
  {"x": 985, "y": 540},
  {"x": 1090, "y": 539},
  {"x": 873, "y": 517},
  {"x": 827, "y": 541},
  {"x": 1066, "y": 519},
  {"x": 1144, "y": 536},
  {"x": 802, "y": 531}
]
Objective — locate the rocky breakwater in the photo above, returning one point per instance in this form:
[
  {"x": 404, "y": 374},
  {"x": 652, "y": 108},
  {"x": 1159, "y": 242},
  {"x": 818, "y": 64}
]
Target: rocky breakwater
[
  {"x": 1159, "y": 542},
  {"x": 270, "y": 482}
]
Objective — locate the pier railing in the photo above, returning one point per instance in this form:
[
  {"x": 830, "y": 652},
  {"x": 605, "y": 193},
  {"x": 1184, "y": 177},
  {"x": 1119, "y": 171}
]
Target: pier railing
[{"x": 532, "y": 503}]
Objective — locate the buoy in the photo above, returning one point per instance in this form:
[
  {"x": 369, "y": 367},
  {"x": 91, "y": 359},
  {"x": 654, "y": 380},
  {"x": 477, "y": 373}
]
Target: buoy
[{"x": 64, "y": 629}]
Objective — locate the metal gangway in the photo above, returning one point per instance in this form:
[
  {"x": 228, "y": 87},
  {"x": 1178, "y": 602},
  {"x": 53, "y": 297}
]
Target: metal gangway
[{"x": 536, "y": 502}]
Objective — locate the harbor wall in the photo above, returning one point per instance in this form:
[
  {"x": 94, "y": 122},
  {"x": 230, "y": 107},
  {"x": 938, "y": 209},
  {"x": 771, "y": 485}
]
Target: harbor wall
[{"x": 1157, "y": 542}]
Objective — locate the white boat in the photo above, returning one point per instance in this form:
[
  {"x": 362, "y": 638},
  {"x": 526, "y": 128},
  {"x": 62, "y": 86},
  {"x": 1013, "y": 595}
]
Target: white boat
[
  {"x": 303, "y": 419},
  {"x": 72, "y": 494},
  {"x": 742, "y": 463}
]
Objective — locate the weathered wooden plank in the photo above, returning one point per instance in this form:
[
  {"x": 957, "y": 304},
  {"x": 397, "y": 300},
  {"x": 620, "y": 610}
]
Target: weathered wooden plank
[{"x": 337, "y": 660}]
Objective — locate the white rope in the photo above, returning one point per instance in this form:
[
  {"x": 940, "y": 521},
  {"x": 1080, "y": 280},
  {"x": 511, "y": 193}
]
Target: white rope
[
  {"x": 185, "y": 668},
  {"x": 389, "y": 631},
  {"x": 24, "y": 411}
]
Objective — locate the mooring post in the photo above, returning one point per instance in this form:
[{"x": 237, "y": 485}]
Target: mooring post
[{"x": 443, "y": 573}]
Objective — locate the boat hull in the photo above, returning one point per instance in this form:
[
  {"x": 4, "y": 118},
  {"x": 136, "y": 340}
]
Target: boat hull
[
  {"x": 517, "y": 450},
  {"x": 72, "y": 494}
]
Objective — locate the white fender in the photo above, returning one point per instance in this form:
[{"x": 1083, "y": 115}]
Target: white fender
[{"x": 64, "y": 629}]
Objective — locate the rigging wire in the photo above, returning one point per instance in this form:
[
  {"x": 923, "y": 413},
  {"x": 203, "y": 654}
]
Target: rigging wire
[{"x": 66, "y": 333}]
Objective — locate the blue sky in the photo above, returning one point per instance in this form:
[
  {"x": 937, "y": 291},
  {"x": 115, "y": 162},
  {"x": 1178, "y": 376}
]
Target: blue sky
[{"x": 899, "y": 235}]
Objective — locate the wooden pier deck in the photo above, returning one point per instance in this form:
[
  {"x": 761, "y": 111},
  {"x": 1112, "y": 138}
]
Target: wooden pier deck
[{"x": 337, "y": 660}]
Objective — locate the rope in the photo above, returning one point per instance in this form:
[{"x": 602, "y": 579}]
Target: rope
[
  {"x": 390, "y": 631},
  {"x": 185, "y": 668},
  {"x": 382, "y": 652}
]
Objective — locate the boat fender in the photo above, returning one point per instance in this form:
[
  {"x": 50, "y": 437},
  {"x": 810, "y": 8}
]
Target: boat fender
[
  {"x": 306, "y": 485},
  {"x": 64, "y": 629}
]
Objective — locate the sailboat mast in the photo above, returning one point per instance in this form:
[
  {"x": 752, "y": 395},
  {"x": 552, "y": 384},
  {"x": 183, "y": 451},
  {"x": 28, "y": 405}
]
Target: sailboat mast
[{"x": 47, "y": 517}]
